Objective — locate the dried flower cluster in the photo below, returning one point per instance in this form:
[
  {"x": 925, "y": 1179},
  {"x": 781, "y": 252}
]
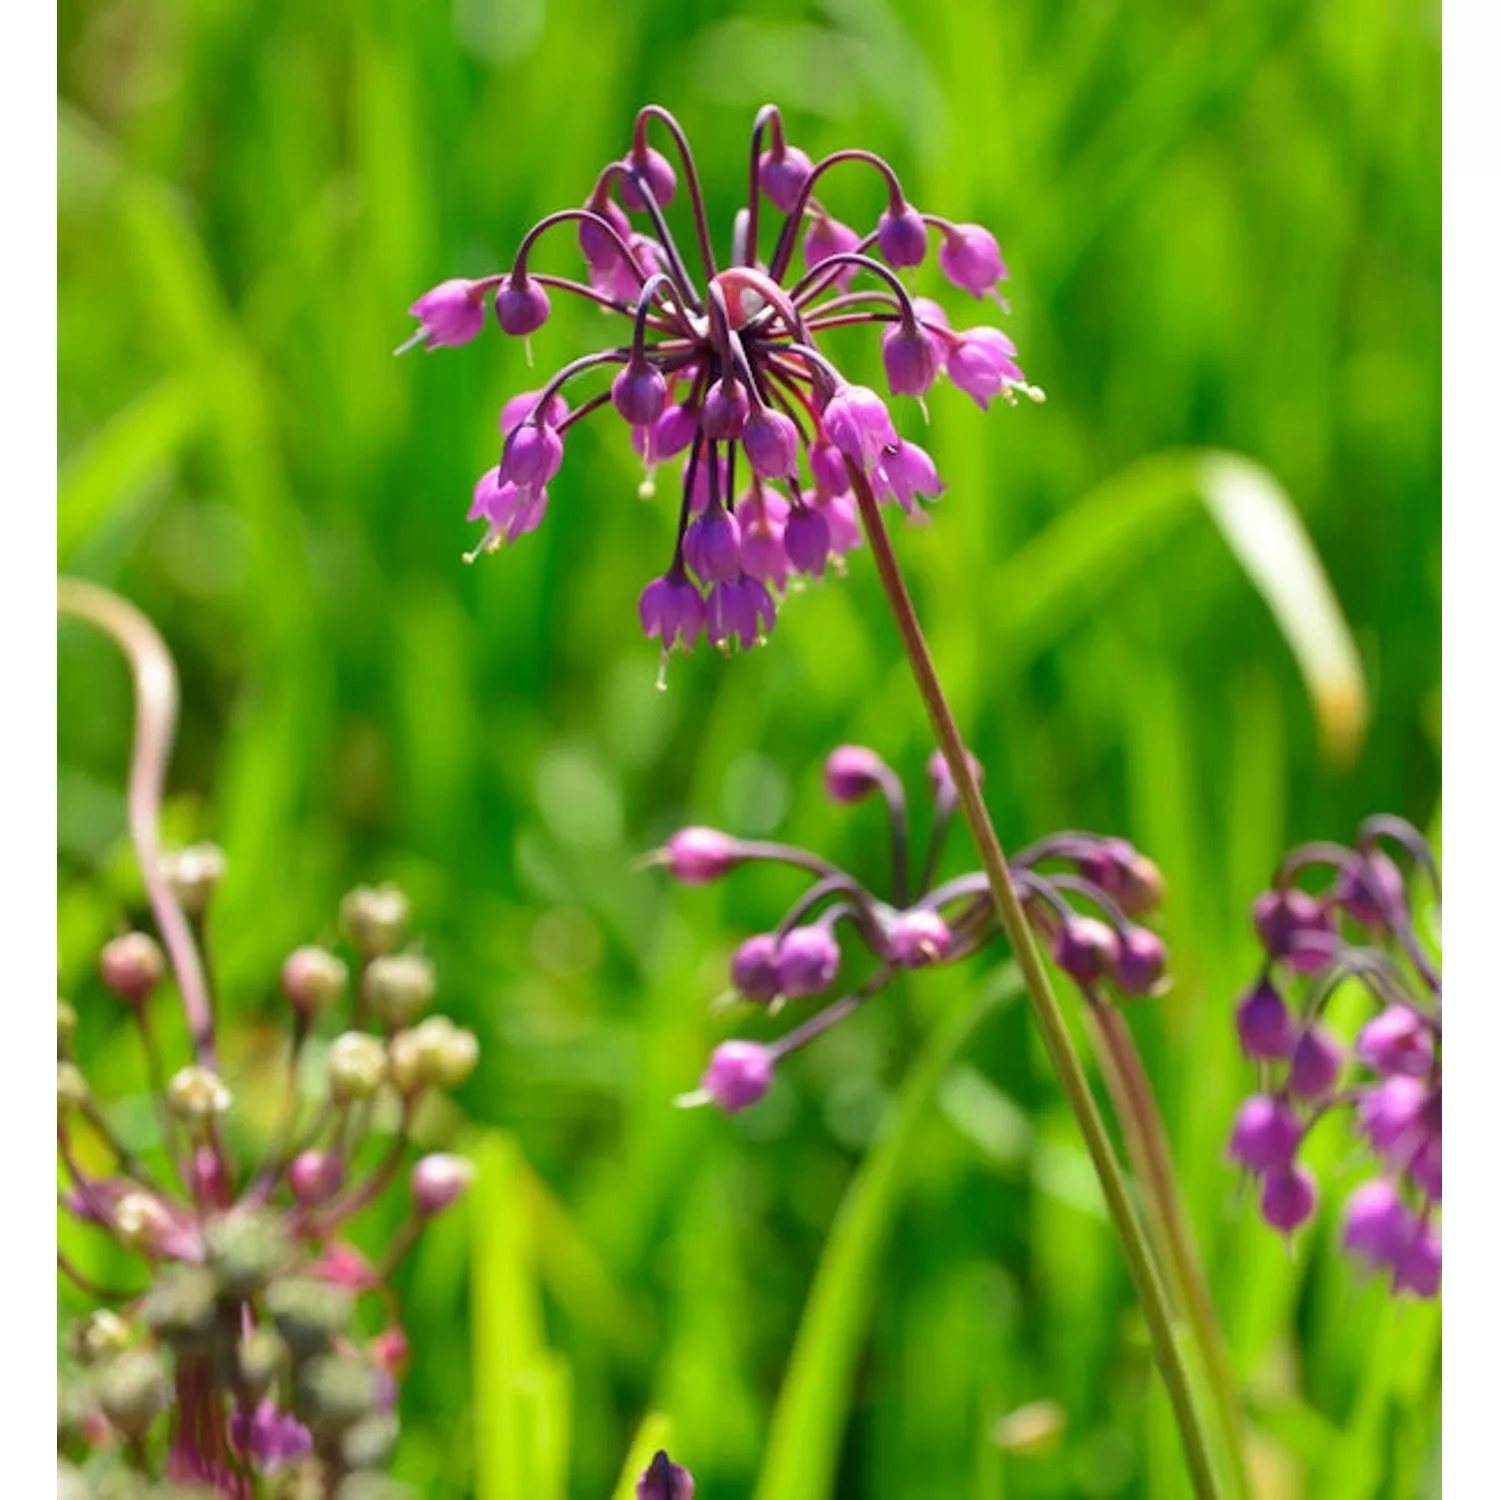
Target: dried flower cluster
[
  {"x": 1358, "y": 930},
  {"x": 236, "y": 1358},
  {"x": 724, "y": 366},
  {"x": 922, "y": 924}
]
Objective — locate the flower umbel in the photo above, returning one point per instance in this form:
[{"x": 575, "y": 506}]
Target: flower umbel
[
  {"x": 721, "y": 365},
  {"x": 921, "y": 924},
  {"x": 1358, "y": 931}
]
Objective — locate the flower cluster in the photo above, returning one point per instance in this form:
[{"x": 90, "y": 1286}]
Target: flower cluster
[
  {"x": 1357, "y": 930},
  {"x": 724, "y": 369},
  {"x": 923, "y": 924},
  {"x": 241, "y": 1339}
]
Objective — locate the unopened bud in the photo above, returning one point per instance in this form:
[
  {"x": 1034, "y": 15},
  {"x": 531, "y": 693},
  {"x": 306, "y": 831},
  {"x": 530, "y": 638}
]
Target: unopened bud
[
  {"x": 391, "y": 1351},
  {"x": 197, "y": 1095},
  {"x": 399, "y": 987},
  {"x": 72, "y": 1087},
  {"x": 141, "y": 1221},
  {"x": 334, "y": 1391},
  {"x": 438, "y": 1181},
  {"x": 194, "y": 874},
  {"x": 368, "y": 1443},
  {"x": 181, "y": 1308},
  {"x": 308, "y": 1312},
  {"x": 98, "y": 1336},
  {"x": 374, "y": 918},
  {"x": 132, "y": 966},
  {"x": 447, "y": 1054},
  {"x": 404, "y": 1061},
  {"x": 315, "y": 1176},
  {"x": 1032, "y": 1430},
  {"x": 133, "y": 1391},
  {"x": 260, "y": 1359},
  {"x": 664, "y": 1480},
  {"x": 67, "y": 1027},
  {"x": 245, "y": 1249},
  {"x": 313, "y": 978},
  {"x": 365, "y": 1485},
  {"x": 356, "y": 1066}
]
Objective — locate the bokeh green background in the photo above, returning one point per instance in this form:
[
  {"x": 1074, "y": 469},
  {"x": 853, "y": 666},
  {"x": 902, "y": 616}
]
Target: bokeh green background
[{"x": 1222, "y": 223}]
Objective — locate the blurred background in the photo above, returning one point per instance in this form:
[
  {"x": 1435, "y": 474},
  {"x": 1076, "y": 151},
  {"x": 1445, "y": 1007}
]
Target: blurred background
[{"x": 1222, "y": 226}]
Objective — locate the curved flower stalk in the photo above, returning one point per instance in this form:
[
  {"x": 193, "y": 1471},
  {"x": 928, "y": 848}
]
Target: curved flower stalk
[
  {"x": 234, "y": 1354},
  {"x": 721, "y": 366},
  {"x": 1082, "y": 895},
  {"x": 1357, "y": 929}
]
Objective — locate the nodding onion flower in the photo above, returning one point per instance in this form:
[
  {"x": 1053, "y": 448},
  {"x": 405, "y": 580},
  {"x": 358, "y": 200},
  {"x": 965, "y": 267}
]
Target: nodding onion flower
[
  {"x": 1357, "y": 931},
  {"x": 720, "y": 365},
  {"x": 919, "y": 924}
]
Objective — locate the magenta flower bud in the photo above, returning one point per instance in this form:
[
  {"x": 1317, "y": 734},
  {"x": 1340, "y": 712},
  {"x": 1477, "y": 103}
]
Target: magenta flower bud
[
  {"x": 313, "y": 978},
  {"x": 660, "y": 179},
  {"x": 439, "y": 1180},
  {"x": 669, "y": 435},
  {"x": 783, "y": 175},
  {"x": 1316, "y": 1061},
  {"x": 711, "y": 546},
  {"x": 132, "y": 965},
  {"x": 762, "y": 528},
  {"x": 901, "y": 237},
  {"x": 639, "y": 393},
  {"x": 1295, "y": 927},
  {"x": 739, "y": 611},
  {"x": 1287, "y": 1198},
  {"x": 664, "y": 1480},
  {"x": 940, "y": 778},
  {"x": 829, "y": 471},
  {"x": 1419, "y": 1262},
  {"x": 858, "y": 425},
  {"x": 451, "y": 313},
  {"x": 726, "y": 408},
  {"x": 1085, "y": 949},
  {"x": 1141, "y": 963},
  {"x": 826, "y": 237},
  {"x": 904, "y": 472},
  {"x": 1426, "y": 1167},
  {"x": 851, "y": 773},
  {"x": 807, "y": 961},
  {"x": 807, "y": 541},
  {"x": 672, "y": 611},
  {"x": 1265, "y": 1026},
  {"x": 699, "y": 856},
  {"x": 1397, "y": 1041},
  {"x": 1372, "y": 891},
  {"x": 970, "y": 258},
  {"x": 770, "y": 439},
  {"x": 521, "y": 307},
  {"x": 914, "y": 939},
  {"x": 1390, "y": 1115},
  {"x": 754, "y": 969},
  {"x": 519, "y": 409},
  {"x": 1266, "y": 1134},
  {"x": 533, "y": 454},
  {"x": 1376, "y": 1222},
  {"x": 599, "y": 248},
  {"x": 842, "y": 514},
  {"x": 739, "y": 1073},
  {"x": 911, "y": 359},
  {"x": 982, "y": 364},
  {"x": 314, "y": 1176}
]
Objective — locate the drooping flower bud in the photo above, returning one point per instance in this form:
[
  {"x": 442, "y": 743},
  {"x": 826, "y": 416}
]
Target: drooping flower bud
[
  {"x": 1371, "y": 889},
  {"x": 914, "y": 939},
  {"x": 356, "y": 1067},
  {"x": 67, "y": 1027},
  {"x": 639, "y": 393},
  {"x": 335, "y": 1391},
  {"x": 374, "y": 919},
  {"x": 1390, "y": 1114},
  {"x": 197, "y": 1095},
  {"x": 533, "y": 454},
  {"x": 1141, "y": 963},
  {"x": 1296, "y": 927},
  {"x": 711, "y": 546},
  {"x": 770, "y": 443},
  {"x": 244, "y": 1249},
  {"x": 656, "y": 170},
  {"x": 940, "y": 777},
  {"x": 911, "y": 358},
  {"x": 451, "y": 313},
  {"x": 851, "y": 773},
  {"x": 982, "y": 364},
  {"x": 72, "y": 1087},
  {"x": 521, "y": 306},
  {"x": 807, "y": 961},
  {"x": 1316, "y": 1061},
  {"x": 1265, "y": 1026},
  {"x": 672, "y": 611},
  {"x": 314, "y": 1176},
  {"x": 739, "y": 1073},
  {"x": 664, "y": 1480},
  {"x": 439, "y": 1180},
  {"x": 445, "y": 1055},
  {"x": 754, "y": 970},
  {"x": 783, "y": 175},
  {"x": 132, "y": 966},
  {"x": 858, "y": 425},
  {"x": 698, "y": 856},
  {"x": 901, "y": 237},
  {"x": 313, "y": 979},
  {"x": 142, "y": 1222},
  {"x": 905, "y": 472},
  {"x": 827, "y": 237},
  {"x": 399, "y": 986},
  {"x": 1376, "y": 1222},
  {"x": 1085, "y": 949},
  {"x": 725, "y": 410},
  {"x": 1266, "y": 1134},
  {"x": 970, "y": 258},
  {"x": 807, "y": 541},
  {"x": 1397, "y": 1041},
  {"x": 194, "y": 874},
  {"x": 1419, "y": 1262},
  {"x": 133, "y": 1391},
  {"x": 1288, "y": 1197}
]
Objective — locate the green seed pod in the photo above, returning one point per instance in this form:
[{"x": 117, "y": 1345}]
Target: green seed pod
[
  {"x": 356, "y": 1066},
  {"x": 374, "y": 919},
  {"x": 133, "y": 1391},
  {"x": 399, "y": 987},
  {"x": 368, "y": 1444},
  {"x": 260, "y": 1359},
  {"x": 334, "y": 1391},
  {"x": 196, "y": 1095},
  {"x": 97, "y": 1336},
  {"x": 182, "y": 1308},
  {"x": 245, "y": 1250},
  {"x": 308, "y": 1312}
]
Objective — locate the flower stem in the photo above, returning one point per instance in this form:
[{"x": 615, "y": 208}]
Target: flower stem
[
  {"x": 1133, "y": 1242},
  {"x": 1151, "y": 1155}
]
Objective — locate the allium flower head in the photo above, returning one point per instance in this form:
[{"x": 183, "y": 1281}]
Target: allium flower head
[
  {"x": 1388, "y": 1085},
  {"x": 720, "y": 360}
]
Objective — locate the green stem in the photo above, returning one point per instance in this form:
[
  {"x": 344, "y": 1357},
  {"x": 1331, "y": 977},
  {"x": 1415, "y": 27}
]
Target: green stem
[
  {"x": 1151, "y": 1156},
  {"x": 1138, "y": 1257}
]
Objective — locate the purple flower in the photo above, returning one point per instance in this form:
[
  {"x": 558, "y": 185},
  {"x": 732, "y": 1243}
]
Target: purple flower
[
  {"x": 660, "y": 179},
  {"x": 807, "y": 961},
  {"x": 438, "y": 1181},
  {"x": 851, "y": 773},
  {"x": 1376, "y": 1222},
  {"x": 725, "y": 410},
  {"x": 916, "y": 938},
  {"x": 906, "y": 471},
  {"x": 1085, "y": 949},
  {"x": 784, "y": 172},
  {"x": 711, "y": 546},
  {"x": 1296, "y": 928},
  {"x": 664, "y": 1480},
  {"x": 1264, "y": 1024},
  {"x": 1266, "y": 1135},
  {"x": 807, "y": 540},
  {"x": 770, "y": 439},
  {"x": 1389, "y": 1113},
  {"x": 859, "y": 426},
  {"x": 521, "y": 307},
  {"x": 1140, "y": 966},
  {"x": 533, "y": 454},
  {"x": 970, "y": 258},
  {"x": 639, "y": 393},
  {"x": 762, "y": 516},
  {"x": 1397, "y": 1041},
  {"x": 1419, "y": 1262},
  {"x": 520, "y": 407},
  {"x": 826, "y": 237},
  {"x": 739, "y": 1073},
  {"x": 672, "y": 612},
  {"x": 754, "y": 970},
  {"x": 911, "y": 357},
  {"x": 699, "y": 856},
  {"x": 451, "y": 313},
  {"x": 1316, "y": 1061},
  {"x": 1288, "y": 1197},
  {"x": 902, "y": 236},
  {"x": 739, "y": 611},
  {"x": 1372, "y": 890},
  {"x": 270, "y": 1437},
  {"x": 982, "y": 364},
  {"x": 829, "y": 470}
]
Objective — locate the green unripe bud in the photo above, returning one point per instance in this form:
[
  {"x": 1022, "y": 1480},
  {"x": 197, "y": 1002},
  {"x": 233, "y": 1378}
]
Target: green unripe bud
[
  {"x": 449, "y": 1055},
  {"x": 194, "y": 874},
  {"x": 374, "y": 919},
  {"x": 72, "y": 1088},
  {"x": 141, "y": 1221},
  {"x": 308, "y": 1312},
  {"x": 100, "y": 1335},
  {"x": 356, "y": 1067},
  {"x": 67, "y": 1026},
  {"x": 197, "y": 1095},
  {"x": 182, "y": 1308},
  {"x": 404, "y": 1058},
  {"x": 399, "y": 987},
  {"x": 133, "y": 1391},
  {"x": 367, "y": 1486},
  {"x": 334, "y": 1391},
  {"x": 245, "y": 1250},
  {"x": 313, "y": 979},
  {"x": 132, "y": 966},
  {"x": 368, "y": 1443},
  {"x": 261, "y": 1357}
]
